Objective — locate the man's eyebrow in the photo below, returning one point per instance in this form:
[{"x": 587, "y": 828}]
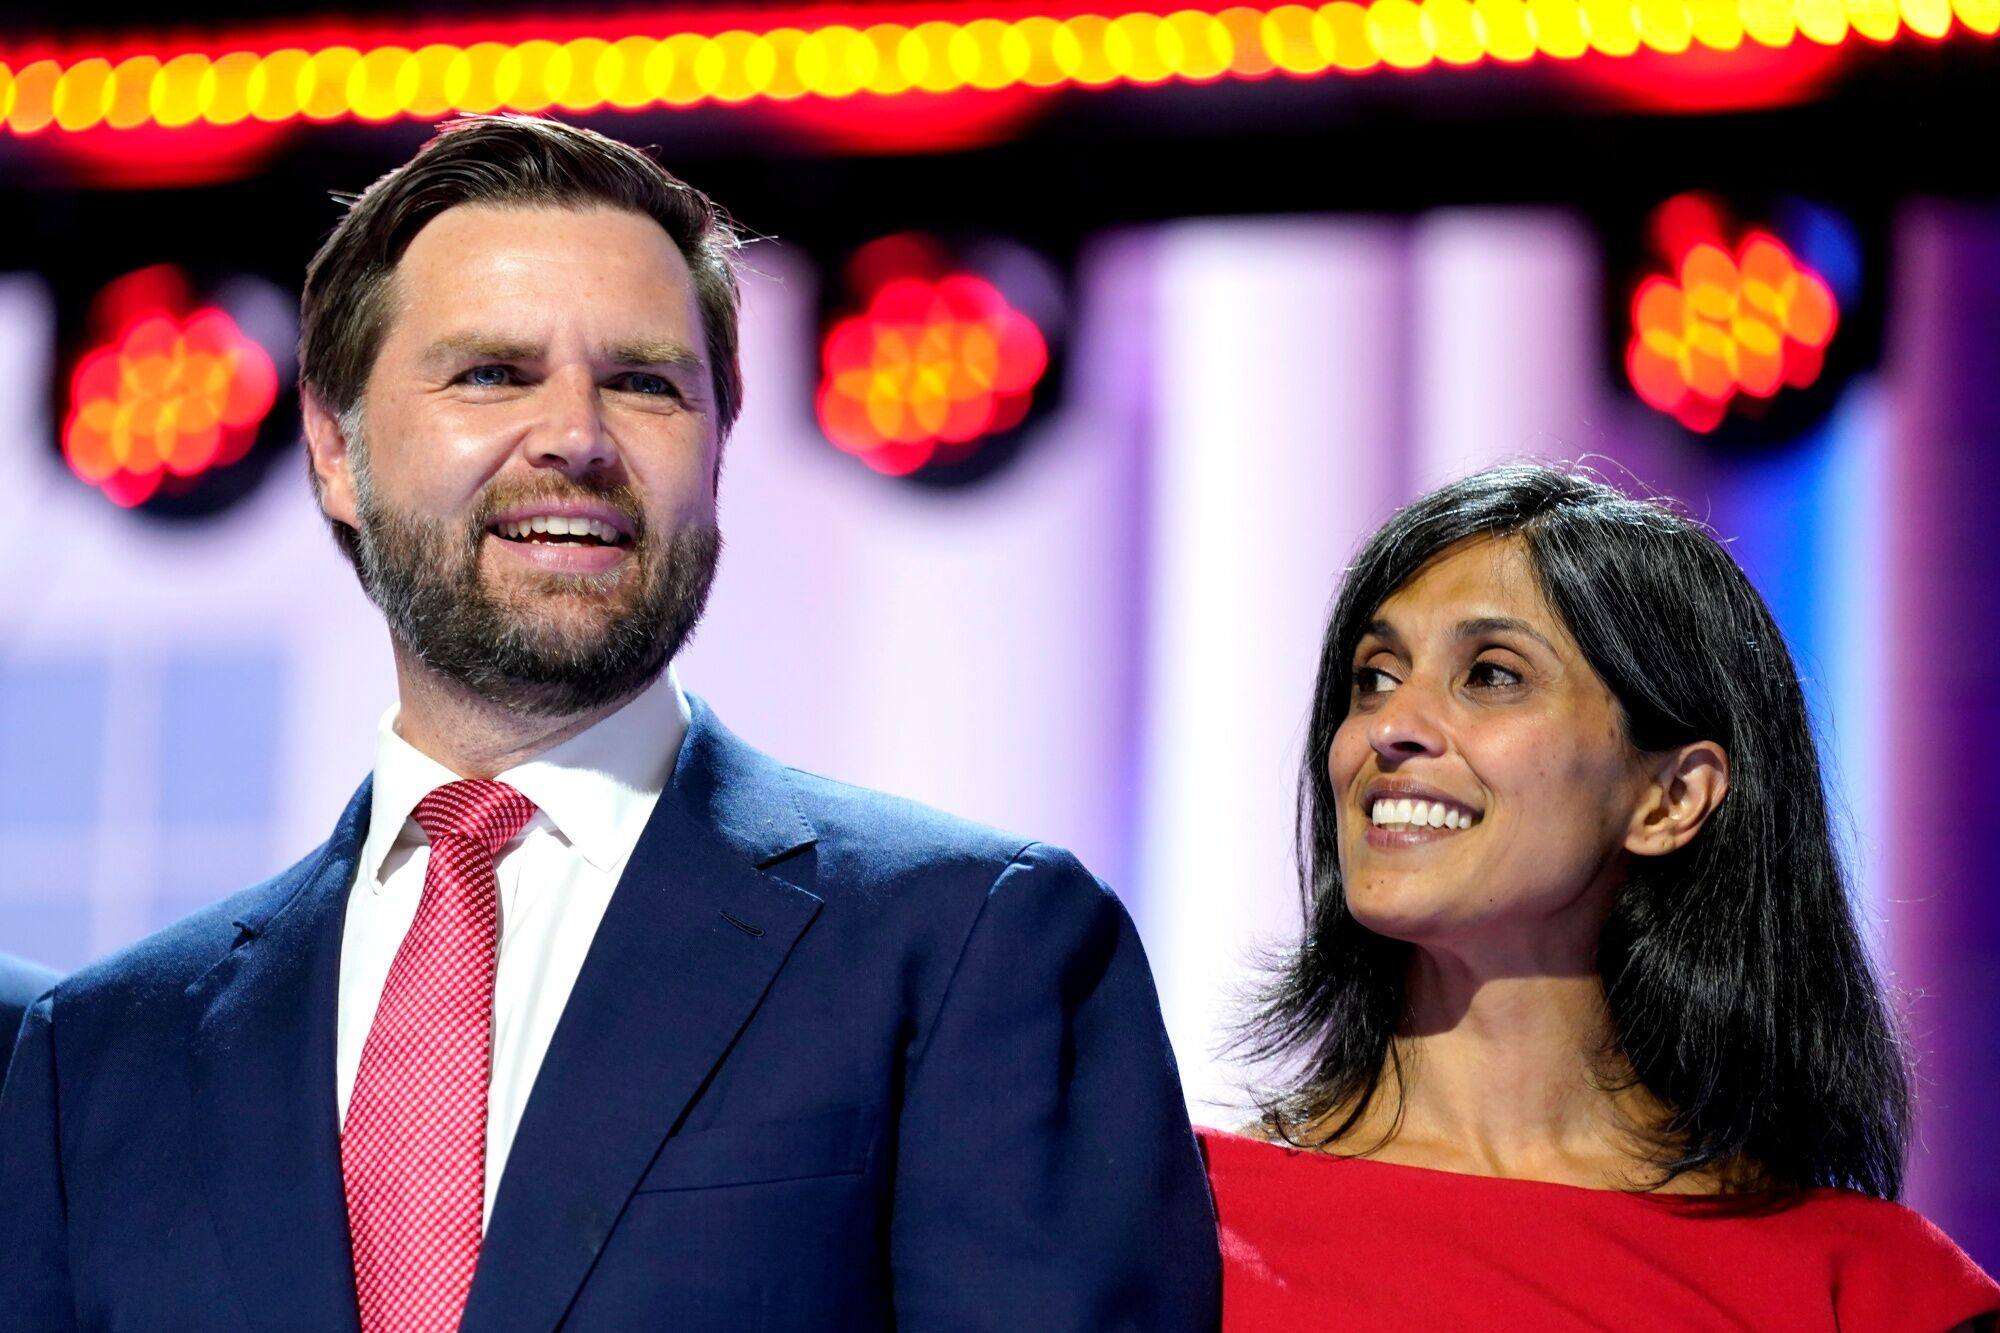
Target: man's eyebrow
[
  {"x": 479, "y": 347},
  {"x": 664, "y": 353},
  {"x": 1484, "y": 625},
  {"x": 497, "y": 347}
]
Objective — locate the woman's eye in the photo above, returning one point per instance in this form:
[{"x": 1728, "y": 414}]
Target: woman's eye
[
  {"x": 488, "y": 377},
  {"x": 1493, "y": 674},
  {"x": 1373, "y": 680}
]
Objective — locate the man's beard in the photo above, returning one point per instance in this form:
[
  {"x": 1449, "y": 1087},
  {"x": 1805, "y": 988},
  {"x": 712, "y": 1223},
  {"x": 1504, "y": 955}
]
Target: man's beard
[{"x": 527, "y": 651}]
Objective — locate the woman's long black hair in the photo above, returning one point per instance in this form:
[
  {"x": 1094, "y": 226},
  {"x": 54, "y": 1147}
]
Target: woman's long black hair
[{"x": 1740, "y": 994}]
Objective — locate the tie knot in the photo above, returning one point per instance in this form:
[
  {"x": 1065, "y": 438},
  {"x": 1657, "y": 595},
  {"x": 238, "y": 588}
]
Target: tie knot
[{"x": 480, "y": 811}]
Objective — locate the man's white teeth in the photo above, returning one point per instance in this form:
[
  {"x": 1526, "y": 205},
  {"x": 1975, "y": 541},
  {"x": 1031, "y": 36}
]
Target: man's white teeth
[
  {"x": 1400, "y": 815},
  {"x": 556, "y": 525}
]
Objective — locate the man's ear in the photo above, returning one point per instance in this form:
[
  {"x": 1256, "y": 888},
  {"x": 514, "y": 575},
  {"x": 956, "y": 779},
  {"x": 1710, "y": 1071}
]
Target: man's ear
[
  {"x": 1685, "y": 787},
  {"x": 332, "y": 459}
]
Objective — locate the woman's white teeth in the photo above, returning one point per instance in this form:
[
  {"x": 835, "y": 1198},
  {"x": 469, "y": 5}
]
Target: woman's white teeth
[
  {"x": 1400, "y": 814},
  {"x": 556, "y": 525}
]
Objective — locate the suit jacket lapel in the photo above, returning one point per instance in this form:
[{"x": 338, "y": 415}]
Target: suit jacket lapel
[
  {"x": 693, "y": 937},
  {"x": 266, "y": 1132}
]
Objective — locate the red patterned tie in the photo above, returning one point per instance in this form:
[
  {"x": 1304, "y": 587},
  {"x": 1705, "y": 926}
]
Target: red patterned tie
[{"x": 413, "y": 1150}]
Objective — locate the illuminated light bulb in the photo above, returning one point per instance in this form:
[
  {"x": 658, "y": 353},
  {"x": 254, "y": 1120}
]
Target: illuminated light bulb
[
  {"x": 1134, "y": 43},
  {"x": 1760, "y": 356},
  {"x": 620, "y": 75},
  {"x": 475, "y": 80},
  {"x": 429, "y": 83},
  {"x": 33, "y": 106},
  {"x": 1809, "y": 314},
  {"x": 1980, "y": 16},
  {"x": 1771, "y": 23},
  {"x": 381, "y": 83},
  {"x": 1558, "y": 28},
  {"x": 1451, "y": 32},
  {"x": 1396, "y": 28},
  {"x": 1290, "y": 42},
  {"x": 1823, "y": 21},
  {"x": 1504, "y": 30},
  {"x": 973, "y": 55},
  {"x": 1716, "y": 24},
  {"x": 1347, "y": 28},
  {"x": 935, "y": 38},
  {"x": 836, "y": 61},
  {"x": 885, "y": 73},
  {"x": 323, "y": 86},
  {"x": 1656, "y": 376},
  {"x": 82, "y": 94},
  {"x": 1659, "y": 304},
  {"x": 1877, "y": 20},
  {"x": 1093, "y": 65},
  {"x": 1205, "y": 48},
  {"x": 574, "y": 74},
  {"x": 131, "y": 92},
  {"x": 520, "y": 79},
  {"x": 225, "y": 89},
  {"x": 176, "y": 99},
  {"x": 275, "y": 84},
  {"x": 1248, "y": 58},
  {"x": 1664, "y": 25},
  {"x": 1609, "y": 26},
  {"x": 1929, "y": 18},
  {"x": 1032, "y": 43},
  {"x": 1710, "y": 279}
]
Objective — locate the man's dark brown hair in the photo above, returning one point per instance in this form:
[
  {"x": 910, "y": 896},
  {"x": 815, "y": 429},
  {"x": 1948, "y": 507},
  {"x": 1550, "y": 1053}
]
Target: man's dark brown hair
[{"x": 521, "y": 161}]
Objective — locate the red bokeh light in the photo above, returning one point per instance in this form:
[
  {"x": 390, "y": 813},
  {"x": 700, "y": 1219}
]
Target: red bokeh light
[
  {"x": 1750, "y": 321},
  {"x": 164, "y": 396},
  {"x": 926, "y": 370}
]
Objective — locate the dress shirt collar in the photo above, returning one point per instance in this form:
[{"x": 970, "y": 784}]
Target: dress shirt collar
[{"x": 597, "y": 788}]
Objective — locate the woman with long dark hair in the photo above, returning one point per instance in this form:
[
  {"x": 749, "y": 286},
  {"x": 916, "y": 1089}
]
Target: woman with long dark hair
[{"x": 1582, "y": 1031}]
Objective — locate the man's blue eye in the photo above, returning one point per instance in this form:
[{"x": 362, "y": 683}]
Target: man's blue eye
[
  {"x": 487, "y": 377},
  {"x": 641, "y": 382}
]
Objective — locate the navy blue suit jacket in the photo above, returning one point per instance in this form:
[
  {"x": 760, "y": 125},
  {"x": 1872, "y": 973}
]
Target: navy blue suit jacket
[
  {"x": 834, "y": 1061},
  {"x": 20, "y": 982}
]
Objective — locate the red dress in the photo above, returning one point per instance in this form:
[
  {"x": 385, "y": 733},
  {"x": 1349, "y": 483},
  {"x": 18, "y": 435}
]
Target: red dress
[{"x": 1314, "y": 1242}]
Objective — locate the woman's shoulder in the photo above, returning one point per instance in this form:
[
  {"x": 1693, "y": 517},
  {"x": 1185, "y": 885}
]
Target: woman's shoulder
[{"x": 1881, "y": 1252}]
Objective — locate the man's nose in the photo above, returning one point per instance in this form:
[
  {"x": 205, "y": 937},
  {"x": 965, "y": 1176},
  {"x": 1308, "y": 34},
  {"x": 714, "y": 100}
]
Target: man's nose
[{"x": 572, "y": 433}]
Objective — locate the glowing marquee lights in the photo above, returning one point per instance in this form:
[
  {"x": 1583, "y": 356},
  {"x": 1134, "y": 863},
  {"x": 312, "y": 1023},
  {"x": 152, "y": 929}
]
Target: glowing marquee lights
[
  {"x": 926, "y": 370},
  {"x": 959, "y": 49},
  {"x": 166, "y": 397},
  {"x": 1749, "y": 322}
]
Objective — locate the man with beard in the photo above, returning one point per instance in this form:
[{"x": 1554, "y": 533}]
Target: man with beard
[{"x": 588, "y": 1014}]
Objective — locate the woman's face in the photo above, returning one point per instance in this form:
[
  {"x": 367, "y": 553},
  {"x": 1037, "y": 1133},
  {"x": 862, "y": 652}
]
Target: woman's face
[{"x": 1486, "y": 789}]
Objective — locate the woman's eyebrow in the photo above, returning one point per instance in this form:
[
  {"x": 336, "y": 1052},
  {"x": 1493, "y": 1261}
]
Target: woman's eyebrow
[{"x": 1480, "y": 626}]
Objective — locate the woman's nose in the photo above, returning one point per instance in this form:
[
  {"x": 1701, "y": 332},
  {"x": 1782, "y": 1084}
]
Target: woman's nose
[{"x": 1407, "y": 725}]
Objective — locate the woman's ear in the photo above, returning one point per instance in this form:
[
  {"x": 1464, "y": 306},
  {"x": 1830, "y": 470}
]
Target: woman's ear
[
  {"x": 1684, "y": 789},
  {"x": 332, "y": 457}
]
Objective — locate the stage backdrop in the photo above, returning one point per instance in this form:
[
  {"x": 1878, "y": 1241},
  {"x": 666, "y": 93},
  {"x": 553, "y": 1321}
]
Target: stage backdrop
[{"x": 1110, "y": 643}]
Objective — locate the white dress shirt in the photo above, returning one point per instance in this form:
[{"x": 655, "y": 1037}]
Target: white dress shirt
[{"x": 593, "y": 795}]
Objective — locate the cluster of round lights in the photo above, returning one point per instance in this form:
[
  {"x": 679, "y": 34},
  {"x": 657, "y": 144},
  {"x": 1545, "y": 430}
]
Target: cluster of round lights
[
  {"x": 1748, "y": 323},
  {"x": 926, "y": 370},
  {"x": 166, "y": 397},
  {"x": 384, "y": 82}
]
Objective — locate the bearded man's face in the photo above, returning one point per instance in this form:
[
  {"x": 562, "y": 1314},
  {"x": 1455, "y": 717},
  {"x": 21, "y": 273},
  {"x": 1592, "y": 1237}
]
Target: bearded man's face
[{"x": 533, "y": 464}]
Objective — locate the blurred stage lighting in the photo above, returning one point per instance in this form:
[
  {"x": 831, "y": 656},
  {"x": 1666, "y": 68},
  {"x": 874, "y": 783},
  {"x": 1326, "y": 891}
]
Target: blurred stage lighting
[
  {"x": 170, "y": 390},
  {"x": 936, "y": 363},
  {"x": 1733, "y": 323},
  {"x": 831, "y": 53}
]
